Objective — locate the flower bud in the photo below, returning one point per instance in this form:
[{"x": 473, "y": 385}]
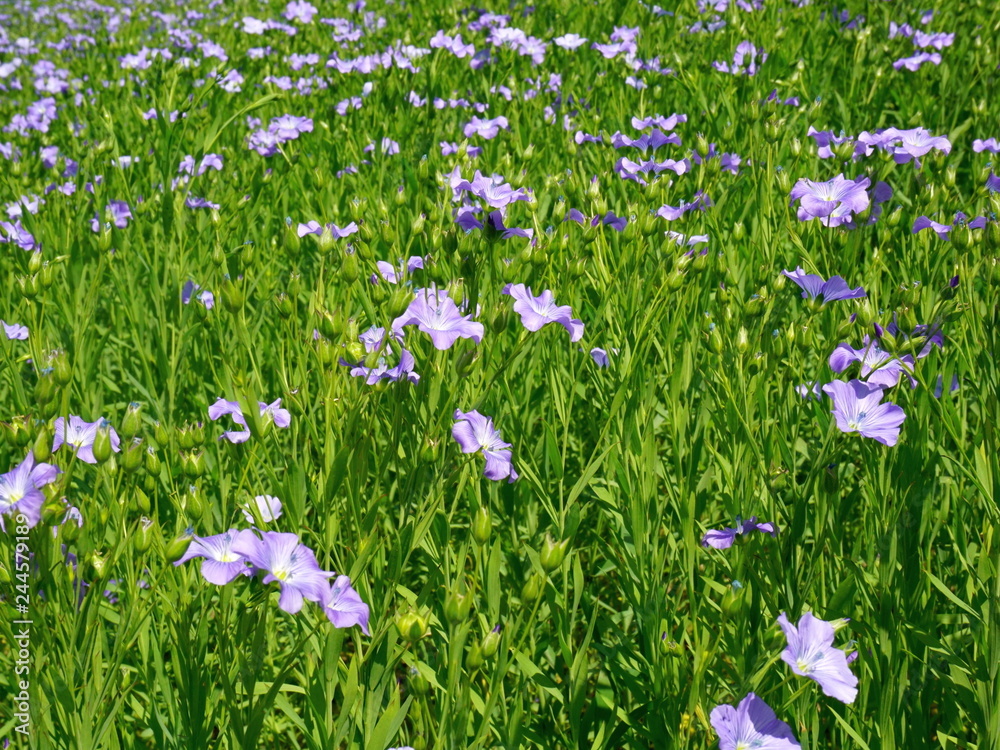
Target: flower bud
[
  {"x": 102, "y": 442},
  {"x": 465, "y": 362},
  {"x": 284, "y": 305},
  {"x": 399, "y": 301},
  {"x": 532, "y": 588},
  {"x": 490, "y": 643},
  {"x": 411, "y": 626},
  {"x": 176, "y": 549},
  {"x": 194, "y": 503},
  {"x": 144, "y": 537},
  {"x": 141, "y": 501},
  {"x": 133, "y": 456},
  {"x": 97, "y": 565},
  {"x": 714, "y": 341},
  {"x": 742, "y": 340},
  {"x": 733, "y": 601},
  {"x": 417, "y": 682},
  {"x": 429, "y": 450},
  {"x": 669, "y": 648},
  {"x": 482, "y": 525},
  {"x": 232, "y": 295},
  {"x": 62, "y": 370},
  {"x": 457, "y": 605},
  {"x": 474, "y": 659},
  {"x": 47, "y": 276},
  {"x": 42, "y": 448},
  {"x": 349, "y": 268},
  {"x": 132, "y": 421},
  {"x": 552, "y": 553},
  {"x": 292, "y": 241}
]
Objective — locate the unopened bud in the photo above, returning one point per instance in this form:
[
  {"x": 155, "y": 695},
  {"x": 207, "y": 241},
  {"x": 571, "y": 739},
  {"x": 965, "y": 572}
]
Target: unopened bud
[
  {"x": 176, "y": 549},
  {"x": 552, "y": 553},
  {"x": 482, "y": 525},
  {"x": 132, "y": 421},
  {"x": 411, "y": 626},
  {"x": 490, "y": 643},
  {"x": 133, "y": 456},
  {"x": 102, "y": 443}
]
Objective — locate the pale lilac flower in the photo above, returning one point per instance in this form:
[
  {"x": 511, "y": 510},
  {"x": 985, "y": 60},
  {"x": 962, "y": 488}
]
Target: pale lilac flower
[
  {"x": 537, "y": 311},
  {"x": 569, "y": 41},
  {"x": 878, "y": 367},
  {"x": 990, "y": 144},
  {"x": 20, "y": 490},
  {"x": 268, "y": 508},
  {"x": 993, "y": 183},
  {"x": 221, "y": 564},
  {"x": 204, "y": 296},
  {"x": 724, "y": 538},
  {"x": 486, "y": 128},
  {"x": 814, "y": 286},
  {"x": 475, "y": 432},
  {"x": 810, "y": 653},
  {"x": 857, "y": 408},
  {"x": 923, "y": 222},
  {"x": 15, "y": 331},
  {"x": 375, "y": 339},
  {"x": 343, "y": 605},
  {"x": 493, "y": 190},
  {"x": 280, "y": 417},
  {"x": 435, "y": 313},
  {"x": 393, "y": 274},
  {"x": 834, "y": 202},
  {"x": 285, "y": 560},
  {"x": 746, "y": 52},
  {"x": 79, "y": 436},
  {"x": 910, "y": 145},
  {"x": 752, "y": 724},
  {"x": 600, "y": 357},
  {"x": 913, "y": 62}
]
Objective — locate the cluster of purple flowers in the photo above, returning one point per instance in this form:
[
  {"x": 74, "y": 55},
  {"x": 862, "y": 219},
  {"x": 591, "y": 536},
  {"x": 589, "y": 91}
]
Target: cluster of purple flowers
[
  {"x": 279, "y": 558},
  {"x": 281, "y": 130},
  {"x": 836, "y": 202}
]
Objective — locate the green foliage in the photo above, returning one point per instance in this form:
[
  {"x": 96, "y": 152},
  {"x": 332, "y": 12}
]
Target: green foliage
[{"x": 574, "y": 607}]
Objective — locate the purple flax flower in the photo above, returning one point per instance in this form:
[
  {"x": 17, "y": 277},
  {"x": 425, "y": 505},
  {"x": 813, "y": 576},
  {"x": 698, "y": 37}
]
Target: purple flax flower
[
  {"x": 290, "y": 563},
  {"x": 912, "y": 144},
  {"x": 858, "y": 408},
  {"x": 281, "y": 417},
  {"x": 652, "y": 140},
  {"x": 486, "y": 128},
  {"x": 701, "y": 202},
  {"x": 752, "y": 724},
  {"x": 878, "y": 367},
  {"x": 600, "y": 357},
  {"x": 475, "y": 432},
  {"x": 724, "y": 538},
  {"x": 118, "y": 213},
  {"x": 375, "y": 340},
  {"x": 990, "y": 144},
  {"x": 79, "y": 436},
  {"x": 569, "y": 41},
  {"x": 343, "y": 605},
  {"x": 923, "y": 222},
  {"x": 537, "y": 311},
  {"x": 15, "y": 331},
  {"x": 745, "y": 52},
  {"x": 993, "y": 183},
  {"x": 331, "y": 231},
  {"x": 435, "y": 313},
  {"x": 833, "y": 202},
  {"x": 205, "y": 297},
  {"x": 496, "y": 192},
  {"x": 810, "y": 653},
  {"x": 267, "y": 507},
  {"x": 392, "y": 275},
  {"x": 221, "y": 564},
  {"x": 814, "y": 286},
  {"x": 20, "y": 490},
  {"x": 913, "y": 62}
]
